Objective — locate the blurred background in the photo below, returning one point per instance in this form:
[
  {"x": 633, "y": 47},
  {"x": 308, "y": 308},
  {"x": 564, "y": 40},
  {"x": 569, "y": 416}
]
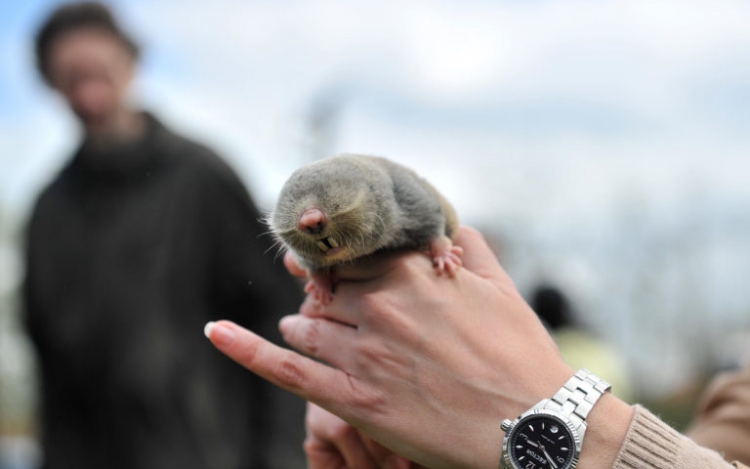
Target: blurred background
[{"x": 602, "y": 147}]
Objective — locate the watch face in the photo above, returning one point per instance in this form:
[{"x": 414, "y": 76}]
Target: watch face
[{"x": 541, "y": 442}]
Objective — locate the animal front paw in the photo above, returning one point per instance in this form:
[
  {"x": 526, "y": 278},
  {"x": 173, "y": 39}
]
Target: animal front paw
[{"x": 320, "y": 291}]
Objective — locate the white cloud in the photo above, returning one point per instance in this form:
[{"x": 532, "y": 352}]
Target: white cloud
[{"x": 641, "y": 57}]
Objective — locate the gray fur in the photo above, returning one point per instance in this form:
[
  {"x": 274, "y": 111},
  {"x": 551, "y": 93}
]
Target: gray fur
[{"x": 372, "y": 204}]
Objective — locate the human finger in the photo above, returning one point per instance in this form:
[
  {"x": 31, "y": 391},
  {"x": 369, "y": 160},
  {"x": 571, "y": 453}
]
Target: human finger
[
  {"x": 385, "y": 458},
  {"x": 291, "y": 264},
  {"x": 318, "y": 337},
  {"x": 322, "y": 456},
  {"x": 331, "y": 439},
  {"x": 405, "y": 280},
  {"x": 367, "y": 268},
  {"x": 287, "y": 369},
  {"x": 347, "y": 451},
  {"x": 478, "y": 257}
]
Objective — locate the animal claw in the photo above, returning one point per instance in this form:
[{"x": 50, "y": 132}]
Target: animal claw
[{"x": 445, "y": 256}]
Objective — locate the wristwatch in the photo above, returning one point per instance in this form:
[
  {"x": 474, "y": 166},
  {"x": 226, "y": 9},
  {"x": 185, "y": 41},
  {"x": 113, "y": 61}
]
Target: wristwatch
[{"x": 550, "y": 434}]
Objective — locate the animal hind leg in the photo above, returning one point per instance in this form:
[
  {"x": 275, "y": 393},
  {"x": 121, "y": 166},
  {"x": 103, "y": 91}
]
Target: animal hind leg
[{"x": 445, "y": 256}]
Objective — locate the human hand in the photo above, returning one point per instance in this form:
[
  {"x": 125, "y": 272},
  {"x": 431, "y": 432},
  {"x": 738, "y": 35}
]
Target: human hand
[
  {"x": 334, "y": 444},
  {"x": 400, "y": 313},
  {"x": 426, "y": 365}
]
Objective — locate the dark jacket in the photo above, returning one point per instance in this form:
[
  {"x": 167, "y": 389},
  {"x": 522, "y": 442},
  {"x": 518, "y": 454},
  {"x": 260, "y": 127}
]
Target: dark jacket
[{"x": 130, "y": 253}]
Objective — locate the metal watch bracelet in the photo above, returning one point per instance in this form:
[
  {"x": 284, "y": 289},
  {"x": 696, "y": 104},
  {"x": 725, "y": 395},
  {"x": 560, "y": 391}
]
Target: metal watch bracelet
[{"x": 577, "y": 397}]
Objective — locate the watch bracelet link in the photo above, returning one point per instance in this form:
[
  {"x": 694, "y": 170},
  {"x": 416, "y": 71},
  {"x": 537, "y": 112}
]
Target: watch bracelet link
[{"x": 577, "y": 397}]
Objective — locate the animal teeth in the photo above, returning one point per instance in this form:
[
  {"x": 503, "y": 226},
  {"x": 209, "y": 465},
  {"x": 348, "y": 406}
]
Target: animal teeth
[{"x": 327, "y": 243}]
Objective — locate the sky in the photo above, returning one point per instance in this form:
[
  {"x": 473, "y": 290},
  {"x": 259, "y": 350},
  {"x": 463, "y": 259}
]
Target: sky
[{"x": 604, "y": 143}]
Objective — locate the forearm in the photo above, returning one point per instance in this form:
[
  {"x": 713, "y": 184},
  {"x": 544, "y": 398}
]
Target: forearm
[
  {"x": 608, "y": 426},
  {"x": 651, "y": 443},
  {"x": 623, "y": 437}
]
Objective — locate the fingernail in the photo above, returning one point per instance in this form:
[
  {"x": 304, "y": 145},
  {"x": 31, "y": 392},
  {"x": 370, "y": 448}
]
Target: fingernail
[
  {"x": 207, "y": 329},
  {"x": 220, "y": 335}
]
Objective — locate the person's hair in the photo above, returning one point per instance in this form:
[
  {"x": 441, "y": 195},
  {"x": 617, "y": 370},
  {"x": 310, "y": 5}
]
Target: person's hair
[{"x": 74, "y": 16}]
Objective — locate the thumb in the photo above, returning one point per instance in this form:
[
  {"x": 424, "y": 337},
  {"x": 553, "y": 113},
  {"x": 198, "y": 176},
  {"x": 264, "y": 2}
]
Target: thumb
[{"x": 478, "y": 257}]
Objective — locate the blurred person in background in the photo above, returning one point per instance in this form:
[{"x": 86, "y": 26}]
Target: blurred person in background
[
  {"x": 141, "y": 238},
  {"x": 722, "y": 420},
  {"x": 578, "y": 346}
]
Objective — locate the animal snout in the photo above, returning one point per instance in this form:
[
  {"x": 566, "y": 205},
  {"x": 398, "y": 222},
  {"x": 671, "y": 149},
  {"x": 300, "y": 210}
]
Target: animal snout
[{"x": 312, "y": 221}]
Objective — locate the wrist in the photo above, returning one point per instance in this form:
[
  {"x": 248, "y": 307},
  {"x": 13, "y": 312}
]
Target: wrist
[
  {"x": 608, "y": 425},
  {"x": 535, "y": 386},
  {"x": 581, "y": 425}
]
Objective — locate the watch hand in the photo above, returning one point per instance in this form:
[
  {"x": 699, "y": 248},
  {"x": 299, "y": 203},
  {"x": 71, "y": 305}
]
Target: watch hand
[
  {"x": 549, "y": 458},
  {"x": 532, "y": 444}
]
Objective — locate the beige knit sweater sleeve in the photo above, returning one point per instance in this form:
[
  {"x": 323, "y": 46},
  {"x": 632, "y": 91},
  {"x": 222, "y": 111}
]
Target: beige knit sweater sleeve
[{"x": 652, "y": 444}]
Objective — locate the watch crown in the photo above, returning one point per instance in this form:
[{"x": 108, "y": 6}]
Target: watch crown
[{"x": 505, "y": 426}]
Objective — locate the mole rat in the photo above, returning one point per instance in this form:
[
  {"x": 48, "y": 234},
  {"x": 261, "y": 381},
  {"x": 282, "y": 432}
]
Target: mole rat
[{"x": 348, "y": 206}]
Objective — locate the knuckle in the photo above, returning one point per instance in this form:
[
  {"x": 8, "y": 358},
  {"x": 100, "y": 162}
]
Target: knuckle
[
  {"x": 375, "y": 305},
  {"x": 385, "y": 313},
  {"x": 290, "y": 372},
  {"x": 310, "y": 446},
  {"x": 305, "y": 336},
  {"x": 372, "y": 401},
  {"x": 248, "y": 352},
  {"x": 310, "y": 340}
]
